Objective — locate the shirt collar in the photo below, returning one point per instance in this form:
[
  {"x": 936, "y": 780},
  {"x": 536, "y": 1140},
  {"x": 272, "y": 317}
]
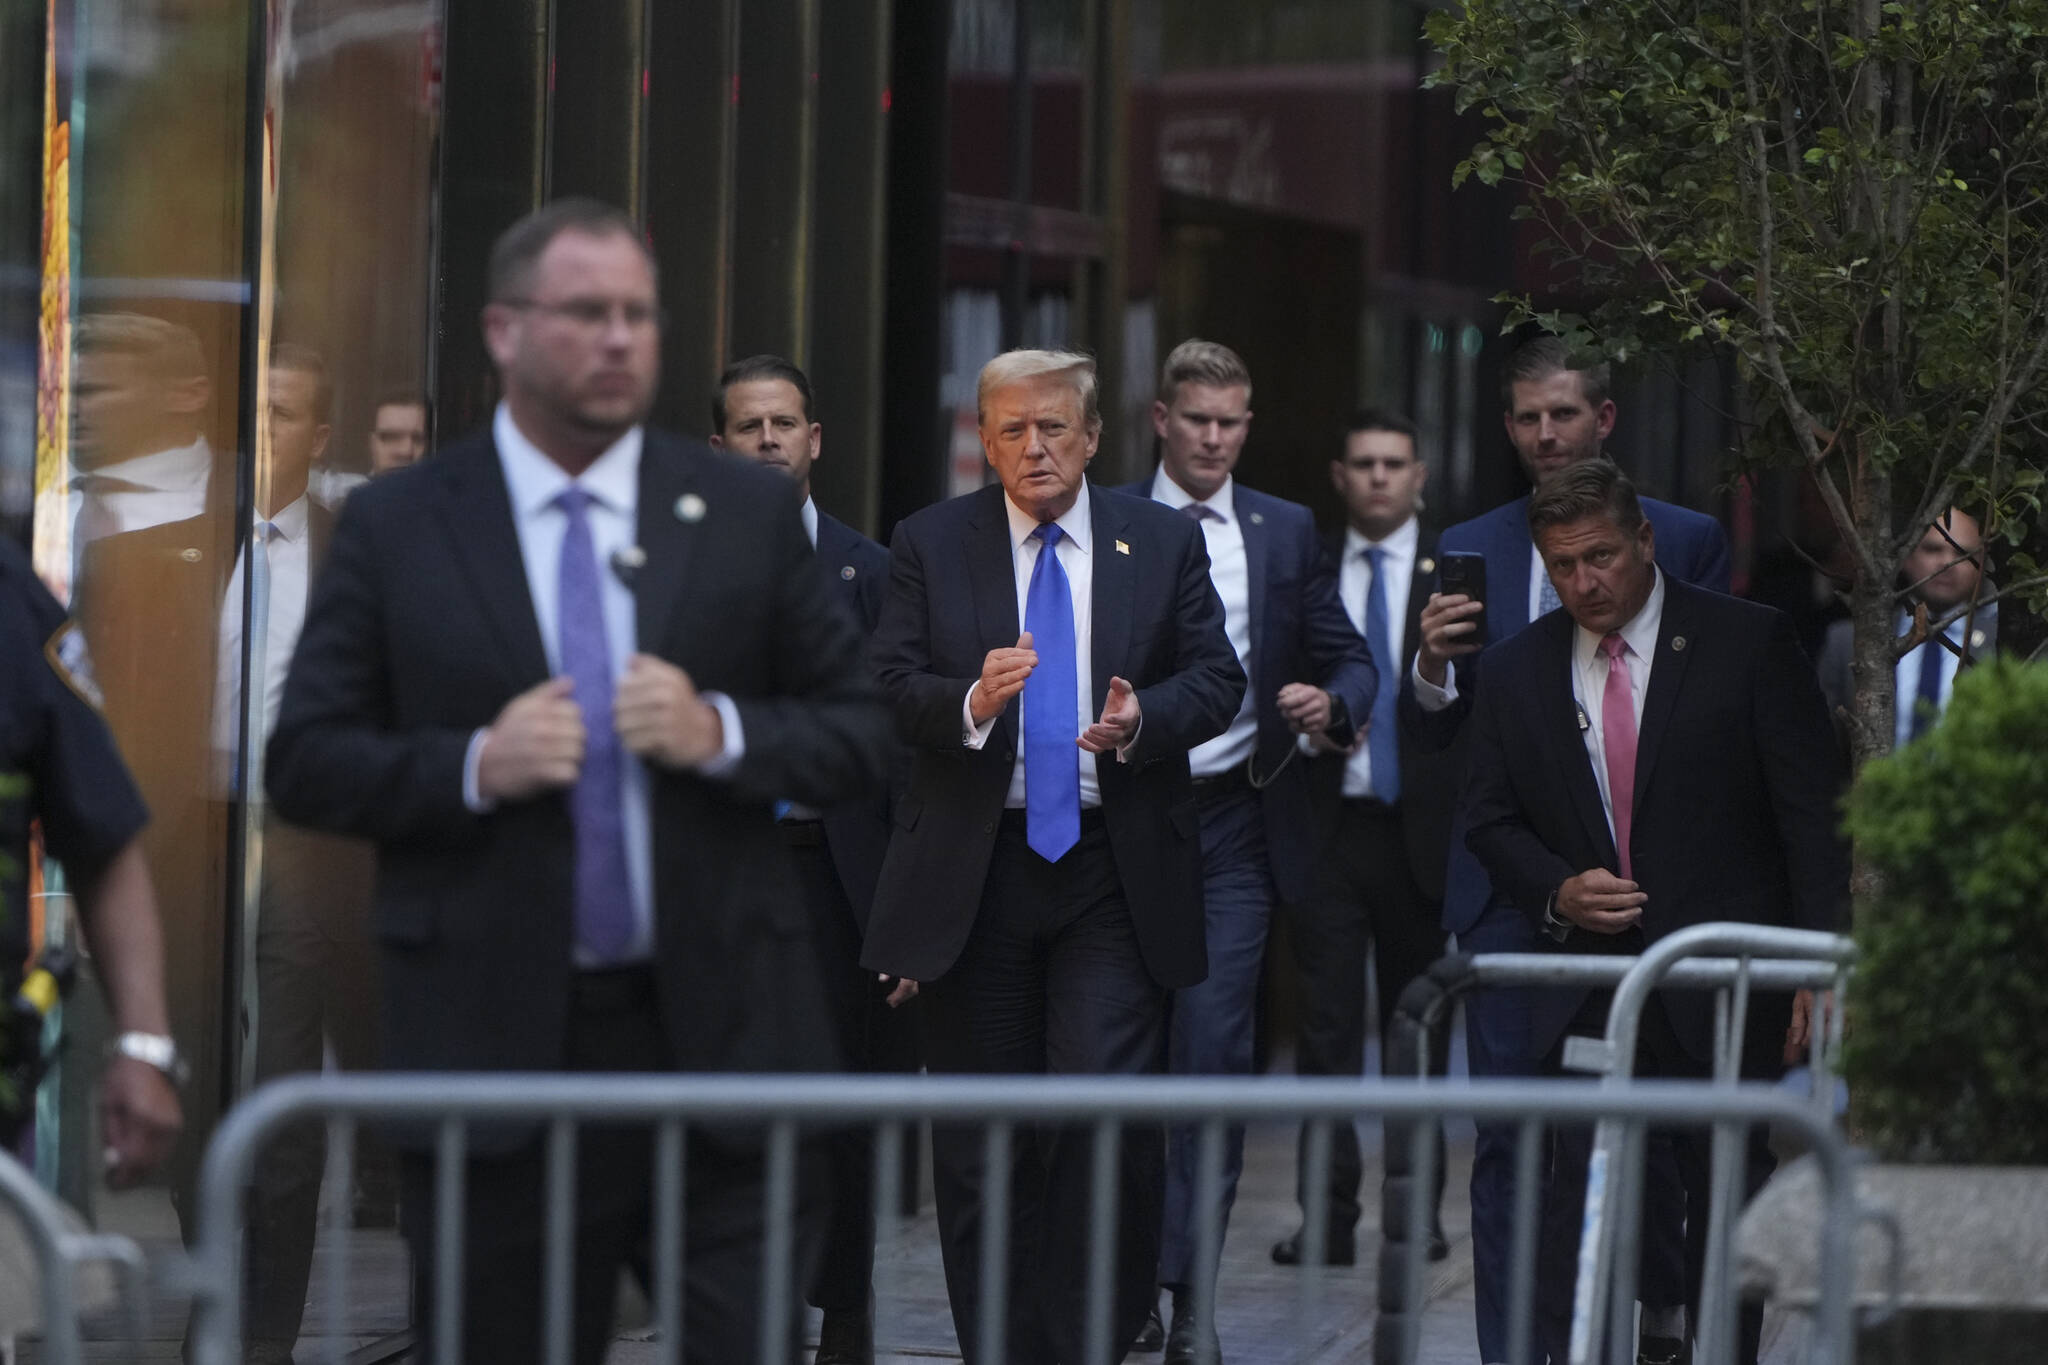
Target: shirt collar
[
  {"x": 1400, "y": 542},
  {"x": 811, "y": 520},
  {"x": 534, "y": 481},
  {"x": 161, "y": 471},
  {"x": 1222, "y": 502},
  {"x": 290, "y": 521},
  {"x": 1074, "y": 521},
  {"x": 1640, "y": 631}
]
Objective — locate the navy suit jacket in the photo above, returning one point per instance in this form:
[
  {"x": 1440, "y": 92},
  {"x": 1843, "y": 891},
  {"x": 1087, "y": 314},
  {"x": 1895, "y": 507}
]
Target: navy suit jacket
[
  {"x": 1300, "y": 633},
  {"x": 421, "y": 628},
  {"x": 1735, "y": 786},
  {"x": 856, "y": 572},
  {"x": 1157, "y": 623},
  {"x": 1691, "y": 547}
]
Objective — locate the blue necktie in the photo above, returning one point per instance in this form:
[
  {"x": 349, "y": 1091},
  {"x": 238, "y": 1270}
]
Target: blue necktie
[
  {"x": 1052, "y": 761},
  {"x": 604, "y": 892},
  {"x": 1927, "y": 705},
  {"x": 1547, "y": 600},
  {"x": 1381, "y": 745}
]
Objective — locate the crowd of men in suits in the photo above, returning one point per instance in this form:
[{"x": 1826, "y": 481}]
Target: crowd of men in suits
[{"x": 664, "y": 768}]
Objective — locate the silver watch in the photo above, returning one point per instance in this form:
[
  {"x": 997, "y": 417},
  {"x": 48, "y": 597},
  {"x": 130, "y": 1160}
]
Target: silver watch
[
  {"x": 156, "y": 1049},
  {"x": 1557, "y": 928}
]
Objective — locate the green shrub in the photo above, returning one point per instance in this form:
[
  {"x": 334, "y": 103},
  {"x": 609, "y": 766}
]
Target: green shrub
[{"x": 1947, "y": 1053}]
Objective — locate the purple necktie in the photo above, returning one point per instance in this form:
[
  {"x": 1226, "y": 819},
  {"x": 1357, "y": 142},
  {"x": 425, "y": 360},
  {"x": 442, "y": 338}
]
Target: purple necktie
[
  {"x": 604, "y": 892},
  {"x": 1618, "y": 742}
]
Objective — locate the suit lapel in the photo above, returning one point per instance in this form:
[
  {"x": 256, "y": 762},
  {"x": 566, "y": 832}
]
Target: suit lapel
[
  {"x": 1508, "y": 604},
  {"x": 1667, "y": 675},
  {"x": 1115, "y": 582},
  {"x": 668, "y": 538},
  {"x": 1559, "y": 716},
  {"x": 992, "y": 578},
  {"x": 480, "y": 526},
  {"x": 1421, "y": 583}
]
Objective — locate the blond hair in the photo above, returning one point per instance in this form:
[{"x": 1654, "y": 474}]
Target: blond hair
[
  {"x": 1020, "y": 367},
  {"x": 1208, "y": 363},
  {"x": 167, "y": 350}
]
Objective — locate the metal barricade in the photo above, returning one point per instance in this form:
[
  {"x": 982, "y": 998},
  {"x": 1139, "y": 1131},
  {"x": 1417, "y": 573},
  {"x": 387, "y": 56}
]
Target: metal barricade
[
  {"x": 1729, "y": 958},
  {"x": 62, "y": 1251},
  {"x": 784, "y": 1106}
]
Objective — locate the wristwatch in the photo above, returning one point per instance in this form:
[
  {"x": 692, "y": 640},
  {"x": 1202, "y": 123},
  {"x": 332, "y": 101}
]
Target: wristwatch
[
  {"x": 156, "y": 1049},
  {"x": 1556, "y": 928}
]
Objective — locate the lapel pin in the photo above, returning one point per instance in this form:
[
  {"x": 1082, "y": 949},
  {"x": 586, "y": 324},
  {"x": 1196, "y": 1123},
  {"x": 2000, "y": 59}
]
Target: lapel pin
[
  {"x": 1122, "y": 548},
  {"x": 1258, "y": 518},
  {"x": 189, "y": 555},
  {"x": 1677, "y": 642},
  {"x": 846, "y": 572},
  {"x": 1976, "y": 639},
  {"x": 1425, "y": 567},
  {"x": 690, "y": 508}
]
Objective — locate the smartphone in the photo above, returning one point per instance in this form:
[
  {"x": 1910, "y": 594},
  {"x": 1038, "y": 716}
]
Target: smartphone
[{"x": 1461, "y": 571}]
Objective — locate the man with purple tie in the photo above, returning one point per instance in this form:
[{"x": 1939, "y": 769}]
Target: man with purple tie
[
  {"x": 1053, "y": 650},
  {"x": 560, "y": 675}
]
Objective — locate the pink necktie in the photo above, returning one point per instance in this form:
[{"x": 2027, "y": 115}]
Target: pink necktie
[{"x": 1618, "y": 742}]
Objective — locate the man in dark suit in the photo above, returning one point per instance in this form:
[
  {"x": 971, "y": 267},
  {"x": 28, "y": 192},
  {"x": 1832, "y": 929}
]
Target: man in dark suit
[
  {"x": 559, "y": 674},
  {"x": 1556, "y": 416},
  {"x": 1045, "y": 875},
  {"x": 1286, "y": 627},
  {"x": 1653, "y": 756},
  {"x": 1382, "y": 811},
  {"x": 762, "y": 410}
]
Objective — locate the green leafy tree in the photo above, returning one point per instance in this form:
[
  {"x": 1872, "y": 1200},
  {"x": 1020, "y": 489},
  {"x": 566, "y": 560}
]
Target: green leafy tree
[{"x": 1848, "y": 196}]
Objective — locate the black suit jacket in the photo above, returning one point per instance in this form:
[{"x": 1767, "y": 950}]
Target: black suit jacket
[
  {"x": 856, "y": 572},
  {"x": 1299, "y": 634},
  {"x": 421, "y": 628},
  {"x": 1735, "y": 786},
  {"x": 1157, "y": 623},
  {"x": 1429, "y": 780}
]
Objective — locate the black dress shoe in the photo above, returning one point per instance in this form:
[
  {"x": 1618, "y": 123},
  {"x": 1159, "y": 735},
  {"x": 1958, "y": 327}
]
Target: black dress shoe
[
  {"x": 1153, "y": 1335},
  {"x": 1338, "y": 1249},
  {"x": 1662, "y": 1351},
  {"x": 1191, "y": 1342},
  {"x": 846, "y": 1339}
]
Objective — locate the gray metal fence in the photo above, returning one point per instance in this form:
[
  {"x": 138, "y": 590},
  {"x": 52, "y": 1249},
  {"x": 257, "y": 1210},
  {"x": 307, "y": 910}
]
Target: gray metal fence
[
  {"x": 1732, "y": 960},
  {"x": 63, "y": 1254},
  {"x": 786, "y": 1106}
]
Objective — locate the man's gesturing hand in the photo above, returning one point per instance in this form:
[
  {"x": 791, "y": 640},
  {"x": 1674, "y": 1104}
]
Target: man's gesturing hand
[
  {"x": 1119, "y": 723},
  {"x": 1002, "y": 677},
  {"x": 660, "y": 716},
  {"x": 535, "y": 745},
  {"x": 1450, "y": 627},
  {"x": 1305, "y": 707},
  {"x": 1599, "y": 901}
]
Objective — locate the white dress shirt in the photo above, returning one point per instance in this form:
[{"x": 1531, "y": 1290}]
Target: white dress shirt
[
  {"x": 1076, "y": 552},
  {"x": 1589, "y": 681},
  {"x": 612, "y": 482},
  {"x": 810, "y": 514},
  {"x": 1354, "y": 583},
  {"x": 1231, "y": 574},
  {"x": 1907, "y": 674},
  {"x": 168, "y": 485},
  {"x": 284, "y": 544}
]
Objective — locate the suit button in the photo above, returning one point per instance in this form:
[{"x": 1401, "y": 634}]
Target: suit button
[
  {"x": 1010, "y": 757},
  {"x": 989, "y": 828}
]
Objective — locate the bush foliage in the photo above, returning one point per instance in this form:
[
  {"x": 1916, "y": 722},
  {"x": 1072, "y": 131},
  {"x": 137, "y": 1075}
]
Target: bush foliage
[{"x": 1947, "y": 1053}]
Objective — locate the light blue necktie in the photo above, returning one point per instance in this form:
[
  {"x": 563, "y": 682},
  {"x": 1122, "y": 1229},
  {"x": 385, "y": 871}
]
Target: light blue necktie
[
  {"x": 604, "y": 891},
  {"x": 1547, "y": 601},
  {"x": 1381, "y": 744},
  {"x": 1052, "y": 761}
]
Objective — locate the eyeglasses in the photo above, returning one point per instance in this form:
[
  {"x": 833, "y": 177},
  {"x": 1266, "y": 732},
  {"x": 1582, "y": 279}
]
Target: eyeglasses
[{"x": 593, "y": 315}]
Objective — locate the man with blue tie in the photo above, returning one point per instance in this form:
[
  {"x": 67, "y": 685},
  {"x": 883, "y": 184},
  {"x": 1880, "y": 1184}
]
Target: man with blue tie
[
  {"x": 1556, "y": 416},
  {"x": 762, "y": 411},
  {"x": 1287, "y": 628},
  {"x": 1053, "y": 651},
  {"x": 1382, "y": 814},
  {"x": 1945, "y": 572},
  {"x": 559, "y": 674}
]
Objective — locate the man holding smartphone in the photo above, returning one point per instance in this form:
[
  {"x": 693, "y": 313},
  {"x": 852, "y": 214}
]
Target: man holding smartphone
[{"x": 1556, "y": 416}]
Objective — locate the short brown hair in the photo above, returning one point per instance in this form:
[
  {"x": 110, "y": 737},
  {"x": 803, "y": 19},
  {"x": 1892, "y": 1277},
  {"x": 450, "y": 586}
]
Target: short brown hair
[
  {"x": 168, "y": 350},
  {"x": 520, "y": 246},
  {"x": 753, "y": 369},
  {"x": 1588, "y": 488},
  {"x": 1209, "y": 363},
  {"x": 1543, "y": 356},
  {"x": 301, "y": 359}
]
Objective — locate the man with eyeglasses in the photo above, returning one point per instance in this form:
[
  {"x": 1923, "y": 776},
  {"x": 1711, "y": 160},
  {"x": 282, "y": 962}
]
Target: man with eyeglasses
[{"x": 560, "y": 674}]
